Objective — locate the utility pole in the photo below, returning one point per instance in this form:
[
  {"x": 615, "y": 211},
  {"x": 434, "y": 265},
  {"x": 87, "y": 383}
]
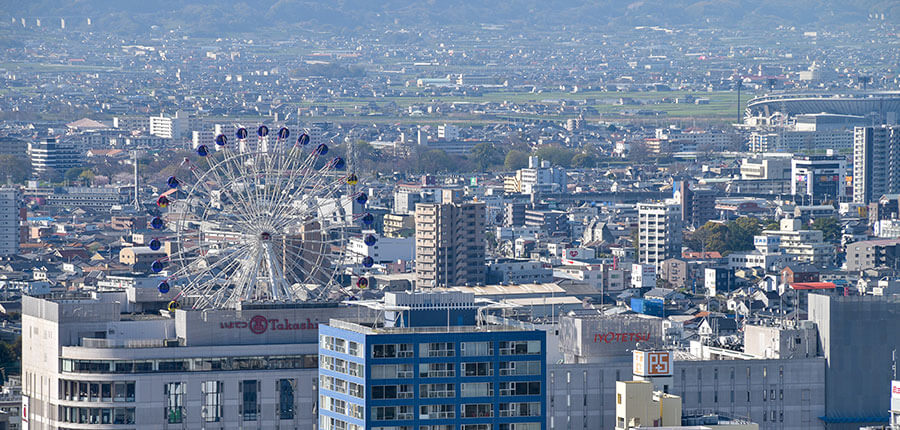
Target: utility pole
[
  {"x": 137, "y": 199},
  {"x": 739, "y": 83}
]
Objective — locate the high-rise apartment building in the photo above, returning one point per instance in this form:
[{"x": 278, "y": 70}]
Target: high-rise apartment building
[
  {"x": 9, "y": 221},
  {"x": 449, "y": 244},
  {"x": 876, "y": 162},
  {"x": 51, "y": 155},
  {"x": 432, "y": 368},
  {"x": 659, "y": 232}
]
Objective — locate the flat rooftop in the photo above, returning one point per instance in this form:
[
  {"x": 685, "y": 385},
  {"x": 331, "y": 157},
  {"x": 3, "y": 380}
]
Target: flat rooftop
[{"x": 373, "y": 327}]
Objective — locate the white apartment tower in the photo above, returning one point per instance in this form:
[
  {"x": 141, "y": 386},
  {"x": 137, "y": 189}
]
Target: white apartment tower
[
  {"x": 9, "y": 221},
  {"x": 659, "y": 232},
  {"x": 876, "y": 162}
]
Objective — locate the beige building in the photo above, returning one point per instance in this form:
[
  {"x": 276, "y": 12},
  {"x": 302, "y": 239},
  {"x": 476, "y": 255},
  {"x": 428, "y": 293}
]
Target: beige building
[
  {"x": 140, "y": 257},
  {"x": 637, "y": 405},
  {"x": 450, "y": 244},
  {"x": 399, "y": 225}
]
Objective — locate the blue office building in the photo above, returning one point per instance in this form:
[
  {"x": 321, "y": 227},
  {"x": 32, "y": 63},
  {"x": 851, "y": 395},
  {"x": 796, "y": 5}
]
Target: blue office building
[{"x": 425, "y": 364}]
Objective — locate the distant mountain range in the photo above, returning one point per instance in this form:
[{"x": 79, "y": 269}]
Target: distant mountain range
[{"x": 208, "y": 16}]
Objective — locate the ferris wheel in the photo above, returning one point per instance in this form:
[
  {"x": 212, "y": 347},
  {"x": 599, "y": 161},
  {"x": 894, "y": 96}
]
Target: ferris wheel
[{"x": 263, "y": 220}]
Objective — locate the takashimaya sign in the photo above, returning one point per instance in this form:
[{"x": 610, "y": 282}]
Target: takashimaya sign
[{"x": 260, "y": 324}]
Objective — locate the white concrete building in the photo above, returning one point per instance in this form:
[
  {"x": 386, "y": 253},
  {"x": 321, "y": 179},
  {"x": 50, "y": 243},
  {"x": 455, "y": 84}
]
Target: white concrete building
[
  {"x": 88, "y": 365},
  {"x": 168, "y": 127},
  {"x": 659, "y": 232},
  {"x": 807, "y": 246},
  {"x": 385, "y": 249}
]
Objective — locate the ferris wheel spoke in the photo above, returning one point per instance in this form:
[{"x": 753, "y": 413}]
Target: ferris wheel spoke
[
  {"x": 212, "y": 286},
  {"x": 224, "y": 187},
  {"x": 199, "y": 267}
]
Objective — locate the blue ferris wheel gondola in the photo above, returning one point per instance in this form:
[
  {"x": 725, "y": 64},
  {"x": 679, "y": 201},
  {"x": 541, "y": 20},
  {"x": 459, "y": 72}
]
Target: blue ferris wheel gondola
[
  {"x": 370, "y": 240},
  {"x": 322, "y": 149},
  {"x": 163, "y": 287},
  {"x": 155, "y": 244},
  {"x": 368, "y": 219},
  {"x": 156, "y": 223},
  {"x": 202, "y": 151},
  {"x": 157, "y": 266},
  {"x": 338, "y": 163},
  {"x": 173, "y": 182},
  {"x": 284, "y": 133},
  {"x": 221, "y": 140},
  {"x": 241, "y": 133},
  {"x": 303, "y": 139},
  {"x": 368, "y": 262},
  {"x": 362, "y": 198},
  {"x": 262, "y": 131}
]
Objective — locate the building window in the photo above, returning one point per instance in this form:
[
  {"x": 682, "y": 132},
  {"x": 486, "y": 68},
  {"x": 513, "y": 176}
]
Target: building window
[
  {"x": 476, "y": 389},
  {"x": 432, "y": 391},
  {"x": 380, "y": 392},
  {"x": 520, "y": 347},
  {"x": 404, "y": 350},
  {"x": 478, "y": 369},
  {"x": 212, "y": 401},
  {"x": 476, "y": 349},
  {"x": 435, "y": 412},
  {"x": 392, "y": 371},
  {"x": 436, "y": 370},
  {"x": 390, "y": 413},
  {"x": 174, "y": 402},
  {"x": 526, "y": 409},
  {"x": 286, "y": 398},
  {"x": 519, "y": 368},
  {"x": 479, "y": 410},
  {"x": 520, "y": 426},
  {"x": 437, "y": 349},
  {"x": 520, "y": 388},
  {"x": 249, "y": 390}
]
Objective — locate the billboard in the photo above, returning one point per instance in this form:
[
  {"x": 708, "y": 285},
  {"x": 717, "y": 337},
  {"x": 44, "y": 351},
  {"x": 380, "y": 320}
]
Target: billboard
[
  {"x": 895, "y": 396},
  {"x": 652, "y": 363},
  {"x": 595, "y": 337},
  {"x": 25, "y": 404}
]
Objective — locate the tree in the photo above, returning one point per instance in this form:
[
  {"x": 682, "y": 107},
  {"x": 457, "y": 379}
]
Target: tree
[
  {"x": 73, "y": 173},
  {"x": 583, "y": 160},
  {"x": 711, "y": 237},
  {"x": 86, "y": 176},
  {"x": 638, "y": 152},
  {"x": 515, "y": 160},
  {"x": 485, "y": 155},
  {"x": 830, "y": 228},
  {"x": 15, "y": 168},
  {"x": 556, "y": 155},
  {"x": 741, "y": 232},
  {"x": 434, "y": 161}
]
